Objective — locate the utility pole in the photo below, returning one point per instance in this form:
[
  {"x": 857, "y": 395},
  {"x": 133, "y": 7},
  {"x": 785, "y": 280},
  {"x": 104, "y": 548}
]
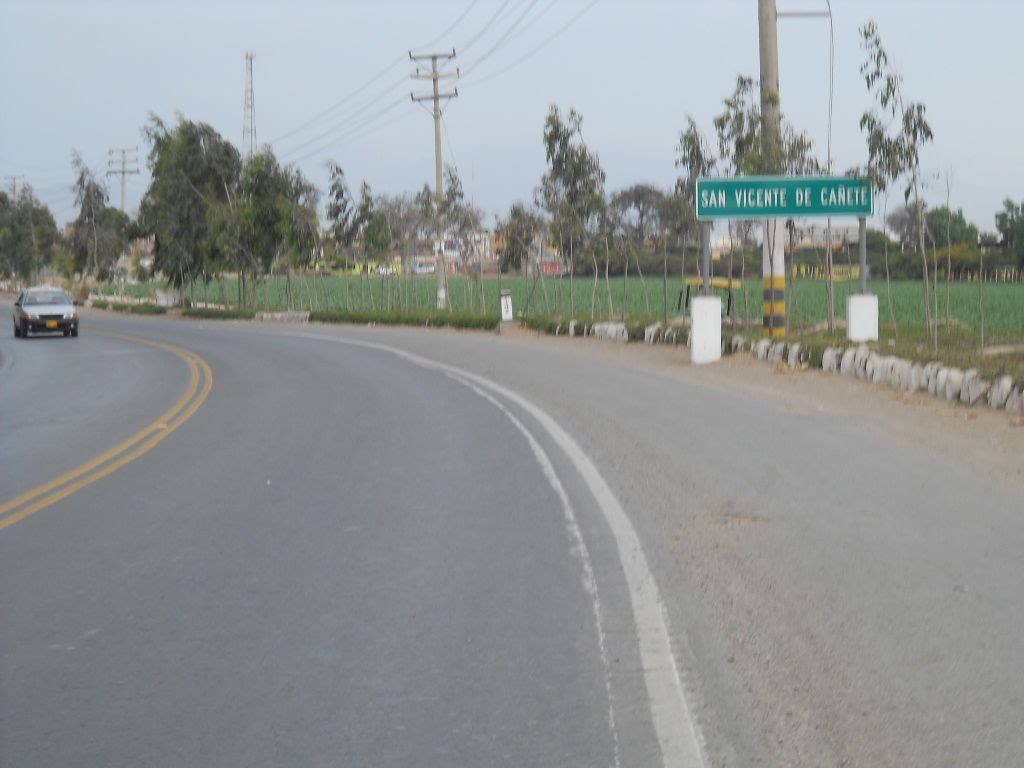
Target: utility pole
[
  {"x": 435, "y": 75},
  {"x": 14, "y": 186},
  {"x": 124, "y": 171},
  {"x": 773, "y": 242},
  {"x": 249, "y": 111}
]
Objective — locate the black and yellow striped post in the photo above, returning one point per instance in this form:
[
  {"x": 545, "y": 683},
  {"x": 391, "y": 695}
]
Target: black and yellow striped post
[
  {"x": 773, "y": 271},
  {"x": 774, "y": 306}
]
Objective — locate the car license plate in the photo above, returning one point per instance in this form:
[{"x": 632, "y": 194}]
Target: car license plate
[{"x": 51, "y": 323}]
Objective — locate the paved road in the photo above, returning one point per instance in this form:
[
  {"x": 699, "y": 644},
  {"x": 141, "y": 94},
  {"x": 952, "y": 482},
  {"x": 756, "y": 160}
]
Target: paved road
[{"x": 347, "y": 558}]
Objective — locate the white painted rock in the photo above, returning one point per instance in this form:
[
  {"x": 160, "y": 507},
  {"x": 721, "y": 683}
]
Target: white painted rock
[
  {"x": 965, "y": 386},
  {"x": 954, "y": 381},
  {"x": 938, "y": 385},
  {"x": 973, "y": 387},
  {"x": 874, "y": 368},
  {"x": 916, "y": 378},
  {"x": 1015, "y": 403},
  {"x": 830, "y": 359},
  {"x": 651, "y": 333},
  {"x": 739, "y": 343},
  {"x": 846, "y": 364},
  {"x": 794, "y": 355},
  {"x": 613, "y": 331},
  {"x": 776, "y": 352},
  {"x": 999, "y": 392},
  {"x": 761, "y": 349},
  {"x": 860, "y": 361}
]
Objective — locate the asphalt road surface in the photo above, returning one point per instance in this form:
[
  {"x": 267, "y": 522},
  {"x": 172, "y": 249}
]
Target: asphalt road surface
[{"x": 303, "y": 545}]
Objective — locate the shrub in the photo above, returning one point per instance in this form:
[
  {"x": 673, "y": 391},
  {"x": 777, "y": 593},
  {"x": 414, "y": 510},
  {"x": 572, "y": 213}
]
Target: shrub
[
  {"x": 465, "y": 320},
  {"x": 144, "y": 309},
  {"x": 216, "y": 313}
]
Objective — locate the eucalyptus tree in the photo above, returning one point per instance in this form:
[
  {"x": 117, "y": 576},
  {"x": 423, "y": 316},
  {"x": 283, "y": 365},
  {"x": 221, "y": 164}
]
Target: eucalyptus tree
[
  {"x": 895, "y": 138},
  {"x": 190, "y": 205},
  {"x": 517, "y": 233},
  {"x": 696, "y": 158},
  {"x": 573, "y": 187},
  {"x": 1010, "y": 225},
  {"x": 341, "y": 210},
  {"x": 29, "y": 239},
  {"x": 463, "y": 222},
  {"x": 99, "y": 232}
]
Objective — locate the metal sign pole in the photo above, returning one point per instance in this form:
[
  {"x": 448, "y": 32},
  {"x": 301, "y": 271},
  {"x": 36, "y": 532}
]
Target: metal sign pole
[{"x": 705, "y": 246}]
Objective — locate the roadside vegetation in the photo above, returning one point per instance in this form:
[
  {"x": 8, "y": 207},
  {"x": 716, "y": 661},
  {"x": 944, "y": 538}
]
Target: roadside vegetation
[{"x": 229, "y": 237}]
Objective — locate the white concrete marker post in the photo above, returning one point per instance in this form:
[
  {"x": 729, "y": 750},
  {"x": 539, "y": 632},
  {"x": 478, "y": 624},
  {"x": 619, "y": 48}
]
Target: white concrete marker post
[
  {"x": 862, "y": 308},
  {"x": 706, "y": 312},
  {"x": 506, "y": 305},
  {"x": 706, "y": 331}
]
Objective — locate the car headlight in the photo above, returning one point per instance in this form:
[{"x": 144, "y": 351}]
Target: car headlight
[{"x": 70, "y": 315}]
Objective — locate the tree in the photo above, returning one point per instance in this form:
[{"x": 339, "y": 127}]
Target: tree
[
  {"x": 905, "y": 222},
  {"x": 1010, "y": 225},
  {"x": 99, "y": 233},
  {"x": 895, "y": 141},
  {"x": 28, "y": 235},
  {"x": 573, "y": 187},
  {"x": 190, "y": 206},
  {"x": 639, "y": 207},
  {"x": 949, "y": 228},
  {"x": 695, "y": 158},
  {"x": 516, "y": 235},
  {"x": 341, "y": 212}
]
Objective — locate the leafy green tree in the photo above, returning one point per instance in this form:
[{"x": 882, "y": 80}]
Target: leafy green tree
[
  {"x": 191, "y": 203},
  {"x": 99, "y": 233},
  {"x": 1010, "y": 225},
  {"x": 573, "y": 187},
  {"x": 28, "y": 235},
  {"x": 341, "y": 211},
  {"x": 950, "y": 228},
  {"x": 517, "y": 233},
  {"x": 895, "y": 138}
]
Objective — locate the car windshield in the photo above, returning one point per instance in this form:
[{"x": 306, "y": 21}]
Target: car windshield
[{"x": 42, "y": 298}]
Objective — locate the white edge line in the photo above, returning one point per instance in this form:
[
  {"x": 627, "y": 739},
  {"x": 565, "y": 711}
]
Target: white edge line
[
  {"x": 579, "y": 549},
  {"x": 677, "y": 732}
]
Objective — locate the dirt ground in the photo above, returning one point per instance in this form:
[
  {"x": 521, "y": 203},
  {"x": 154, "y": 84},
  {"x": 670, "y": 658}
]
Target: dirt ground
[{"x": 990, "y": 442}]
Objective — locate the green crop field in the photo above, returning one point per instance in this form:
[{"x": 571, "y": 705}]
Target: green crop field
[{"x": 633, "y": 298}]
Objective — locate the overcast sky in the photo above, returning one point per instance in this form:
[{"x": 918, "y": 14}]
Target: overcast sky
[{"x": 86, "y": 74}]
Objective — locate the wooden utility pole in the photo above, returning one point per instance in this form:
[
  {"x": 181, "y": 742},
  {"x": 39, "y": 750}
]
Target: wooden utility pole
[
  {"x": 124, "y": 171},
  {"x": 435, "y": 75}
]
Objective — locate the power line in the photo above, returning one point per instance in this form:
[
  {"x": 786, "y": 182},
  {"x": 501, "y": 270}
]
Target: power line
[
  {"x": 545, "y": 42},
  {"x": 376, "y": 77},
  {"x": 343, "y": 122},
  {"x": 487, "y": 25},
  {"x": 351, "y": 131},
  {"x": 504, "y": 38}
]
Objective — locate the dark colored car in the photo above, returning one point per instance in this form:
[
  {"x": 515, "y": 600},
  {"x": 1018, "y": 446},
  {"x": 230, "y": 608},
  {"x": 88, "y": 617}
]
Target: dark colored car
[{"x": 45, "y": 309}]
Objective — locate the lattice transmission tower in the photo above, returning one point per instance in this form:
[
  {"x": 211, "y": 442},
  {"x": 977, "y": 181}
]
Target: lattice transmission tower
[{"x": 249, "y": 111}]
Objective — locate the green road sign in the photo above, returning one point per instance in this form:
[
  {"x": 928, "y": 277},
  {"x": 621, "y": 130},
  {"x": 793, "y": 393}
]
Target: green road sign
[{"x": 761, "y": 197}]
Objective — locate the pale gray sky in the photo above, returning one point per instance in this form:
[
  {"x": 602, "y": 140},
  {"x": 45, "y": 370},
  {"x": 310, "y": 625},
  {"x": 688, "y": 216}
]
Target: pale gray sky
[{"x": 85, "y": 74}]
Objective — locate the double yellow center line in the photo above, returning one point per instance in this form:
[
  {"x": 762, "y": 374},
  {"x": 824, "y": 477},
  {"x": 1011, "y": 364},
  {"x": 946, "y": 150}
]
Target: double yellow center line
[{"x": 200, "y": 383}]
